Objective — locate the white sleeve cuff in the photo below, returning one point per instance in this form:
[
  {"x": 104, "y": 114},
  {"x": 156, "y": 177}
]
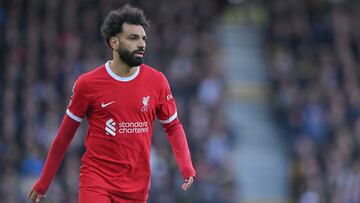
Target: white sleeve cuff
[
  {"x": 169, "y": 120},
  {"x": 73, "y": 116}
]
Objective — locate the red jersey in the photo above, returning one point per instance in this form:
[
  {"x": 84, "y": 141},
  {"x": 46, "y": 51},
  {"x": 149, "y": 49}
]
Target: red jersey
[{"x": 121, "y": 112}]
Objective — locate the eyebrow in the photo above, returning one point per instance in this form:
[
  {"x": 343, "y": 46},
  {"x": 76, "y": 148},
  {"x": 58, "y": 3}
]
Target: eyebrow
[{"x": 136, "y": 35}]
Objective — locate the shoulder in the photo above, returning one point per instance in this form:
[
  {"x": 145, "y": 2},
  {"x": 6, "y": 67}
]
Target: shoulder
[
  {"x": 83, "y": 81},
  {"x": 93, "y": 73},
  {"x": 153, "y": 73}
]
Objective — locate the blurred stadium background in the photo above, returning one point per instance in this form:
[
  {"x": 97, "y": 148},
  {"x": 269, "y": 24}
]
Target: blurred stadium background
[{"x": 268, "y": 92}]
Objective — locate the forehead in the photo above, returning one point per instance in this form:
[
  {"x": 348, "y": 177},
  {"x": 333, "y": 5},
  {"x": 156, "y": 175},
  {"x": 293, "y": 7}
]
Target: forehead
[{"x": 129, "y": 29}]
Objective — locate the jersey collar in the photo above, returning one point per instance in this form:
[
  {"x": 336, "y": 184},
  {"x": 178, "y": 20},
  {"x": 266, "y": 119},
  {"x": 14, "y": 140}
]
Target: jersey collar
[{"x": 120, "y": 78}]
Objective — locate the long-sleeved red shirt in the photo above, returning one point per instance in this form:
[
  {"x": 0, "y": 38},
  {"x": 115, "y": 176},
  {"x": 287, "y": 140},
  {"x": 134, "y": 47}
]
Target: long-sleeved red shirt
[{"x": 120, "y": 112}]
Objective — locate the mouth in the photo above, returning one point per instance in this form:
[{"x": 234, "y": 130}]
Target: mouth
[{"x": 140, "y": 53}]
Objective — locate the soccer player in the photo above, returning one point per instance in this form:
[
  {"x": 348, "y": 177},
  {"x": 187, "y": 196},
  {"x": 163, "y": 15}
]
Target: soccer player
[{"x": 120, "y": 100}]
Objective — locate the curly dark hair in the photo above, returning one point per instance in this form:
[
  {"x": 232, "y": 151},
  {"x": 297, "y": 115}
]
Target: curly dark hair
[{"x": 116, "y": 18}]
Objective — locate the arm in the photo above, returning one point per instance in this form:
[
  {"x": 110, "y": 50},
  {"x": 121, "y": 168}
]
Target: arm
[
  {"x": 56, "y": 153},
  {"x": 76, "y": 111},
  {"x": 176, "y": 136},
  {"x": 167, "y": 115}
]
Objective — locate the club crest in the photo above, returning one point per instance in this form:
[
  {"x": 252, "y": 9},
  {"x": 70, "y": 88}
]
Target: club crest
[{"x": 145, "y": 102}]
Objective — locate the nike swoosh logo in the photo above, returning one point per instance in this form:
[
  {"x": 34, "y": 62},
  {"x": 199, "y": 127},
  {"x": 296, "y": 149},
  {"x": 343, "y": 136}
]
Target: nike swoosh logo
[{"x": 107, "y": 104}]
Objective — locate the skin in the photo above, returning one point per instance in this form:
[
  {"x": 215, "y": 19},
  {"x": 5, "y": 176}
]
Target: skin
[
  {"x": 187, "y": 184},
  {"x": 131, "y": 38}
]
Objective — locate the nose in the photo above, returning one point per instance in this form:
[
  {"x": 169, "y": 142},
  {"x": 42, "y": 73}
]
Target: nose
[{"x": 142, "y": 44}]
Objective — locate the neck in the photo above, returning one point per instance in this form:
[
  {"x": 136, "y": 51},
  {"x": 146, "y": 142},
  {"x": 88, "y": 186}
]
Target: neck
[{"x": 120, "y": 68}]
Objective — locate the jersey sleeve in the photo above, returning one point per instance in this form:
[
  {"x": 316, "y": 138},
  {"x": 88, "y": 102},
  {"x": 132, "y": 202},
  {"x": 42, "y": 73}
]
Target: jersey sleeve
[
  {"x": 56, "y": 153},
  {"x": 167, "y": 115},
  {"x": 166, "y": 109},
  {"x": 79, "y": 101}
]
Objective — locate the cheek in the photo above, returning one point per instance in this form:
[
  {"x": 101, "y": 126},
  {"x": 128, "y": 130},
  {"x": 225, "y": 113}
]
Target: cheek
[
  {"x": 128, "y": 45},
  {"x": 129, "y": 49}
]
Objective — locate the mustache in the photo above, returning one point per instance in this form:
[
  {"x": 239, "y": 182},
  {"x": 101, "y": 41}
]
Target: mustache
[{"x": 138, "y": 50}]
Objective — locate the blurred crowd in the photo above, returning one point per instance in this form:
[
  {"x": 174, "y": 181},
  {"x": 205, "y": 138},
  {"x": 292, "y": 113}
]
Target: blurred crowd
[
  {"x": 314, "y": 49},
  {"x": 46, "y": 45}
]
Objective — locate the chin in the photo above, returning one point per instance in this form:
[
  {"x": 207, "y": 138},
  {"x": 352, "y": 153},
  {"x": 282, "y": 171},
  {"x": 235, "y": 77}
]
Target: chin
[{"x": 138, "y": 62}]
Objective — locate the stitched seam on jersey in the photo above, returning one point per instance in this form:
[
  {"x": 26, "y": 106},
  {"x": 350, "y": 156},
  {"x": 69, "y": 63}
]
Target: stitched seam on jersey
[
  {"x": 73, "y": 116},
  {"x": 119, "y": 78},
  {"x": 169, "y": 120}
]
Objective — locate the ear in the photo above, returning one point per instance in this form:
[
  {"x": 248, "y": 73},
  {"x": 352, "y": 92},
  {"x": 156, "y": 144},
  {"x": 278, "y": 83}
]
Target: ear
[{"x": 114, "y": 42}]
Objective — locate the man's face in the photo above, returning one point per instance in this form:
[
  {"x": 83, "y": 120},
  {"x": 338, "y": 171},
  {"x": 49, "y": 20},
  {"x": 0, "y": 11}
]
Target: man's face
[{"x": 132, "y": 44}]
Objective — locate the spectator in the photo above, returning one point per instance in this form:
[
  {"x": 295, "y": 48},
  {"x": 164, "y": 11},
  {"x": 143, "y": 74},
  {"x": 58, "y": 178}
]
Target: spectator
[
  {"x": 316, "y": 80},
  {"x": 47, "y": 44}
]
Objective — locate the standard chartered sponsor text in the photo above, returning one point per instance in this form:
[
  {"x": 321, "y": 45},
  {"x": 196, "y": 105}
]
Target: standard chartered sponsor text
[{"x": 133, "y": 127}]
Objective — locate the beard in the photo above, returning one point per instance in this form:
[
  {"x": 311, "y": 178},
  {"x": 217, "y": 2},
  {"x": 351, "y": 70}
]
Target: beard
[{"x": 129, "y": 57}]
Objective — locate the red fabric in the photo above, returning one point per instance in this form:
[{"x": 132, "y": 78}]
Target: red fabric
[
  {"x": 62, "y": 140},
  {"x": 99, "y": 195},
  {"x": 176, "y": 136},
  {"x": 121, "y": 114}
]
